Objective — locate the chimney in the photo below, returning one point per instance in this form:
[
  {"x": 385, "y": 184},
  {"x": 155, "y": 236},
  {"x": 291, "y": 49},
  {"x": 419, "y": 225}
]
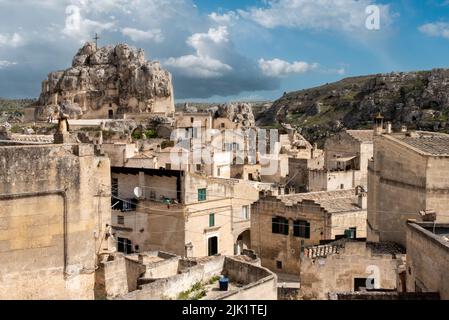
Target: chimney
[
  {"x": 378, "y": 124},
  {"x": 388, "y": 128},
  {"x": 363, "y": 200}
]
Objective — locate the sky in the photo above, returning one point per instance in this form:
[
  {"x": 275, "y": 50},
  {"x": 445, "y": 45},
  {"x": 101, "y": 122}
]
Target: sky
[{"x": 227, "y": 50}]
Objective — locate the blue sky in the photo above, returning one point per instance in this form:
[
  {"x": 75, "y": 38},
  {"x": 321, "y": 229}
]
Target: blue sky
[{"x": 221, "y": 50}]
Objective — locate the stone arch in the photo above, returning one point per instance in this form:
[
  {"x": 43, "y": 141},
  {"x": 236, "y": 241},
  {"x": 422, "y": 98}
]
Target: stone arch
[{"x": 243, "y": 241}]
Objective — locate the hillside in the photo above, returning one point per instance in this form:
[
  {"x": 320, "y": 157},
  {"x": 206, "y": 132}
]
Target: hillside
[
  {"x": 419, "y": 100},
  {"x": 15, "y": 104}
]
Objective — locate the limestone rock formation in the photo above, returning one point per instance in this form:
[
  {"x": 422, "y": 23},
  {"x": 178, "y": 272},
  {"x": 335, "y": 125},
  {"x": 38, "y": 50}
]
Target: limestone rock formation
[
  {"x": 108, "y": 82},
  {"x": 241, "y": 113},
  {"x": 419, "y": 100}
]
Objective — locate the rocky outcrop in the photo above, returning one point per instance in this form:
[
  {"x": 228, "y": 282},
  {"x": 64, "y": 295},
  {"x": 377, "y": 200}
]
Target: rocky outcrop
[
  {"x": 419, "y": 100},
  {"x": 108, "y": 81},
  {"x": 241, "y": 113}
]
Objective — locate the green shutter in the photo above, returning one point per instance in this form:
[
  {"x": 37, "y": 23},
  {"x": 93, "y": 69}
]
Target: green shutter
[
  {"x": 212, "y": 220},
  {"x": 201, "y": 194}
]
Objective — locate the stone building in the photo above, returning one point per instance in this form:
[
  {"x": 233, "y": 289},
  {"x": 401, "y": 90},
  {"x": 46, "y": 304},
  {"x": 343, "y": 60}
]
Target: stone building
[
  {"x": 180, "y": 212},
  {"x": 428, "y": 258},
  {"x": 54, "y": 218},
  {"x": 350, "y": 266},
  {"x": 281, "y": 226},
  {"x": 408, "y": 174},
  {"x": 346, "y": 162}
]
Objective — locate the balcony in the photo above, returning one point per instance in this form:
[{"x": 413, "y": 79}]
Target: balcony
[{"x": 125, "y": 205}]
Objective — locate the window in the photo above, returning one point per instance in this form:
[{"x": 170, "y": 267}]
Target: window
[
  {"x": 198, "y": 167},
  {"x": 192, "y": 119},
  {"x": 353, "y": 232},
  {"x": 279, "y": 225},
  {"x": 363, "y": 283},
  {"x": 152, "y": 195},
  {"x": 245, "y": 212},
  {"x": 301, "y": 229},
  {"x": 222, "y": 125},
  {"x": 342, "y": 186},
  {"x": 168, "y": 166},
  {"x": 228, "y": 147},
  {"x": 201, "y": 194},
  {"x": 124, "y": 245},
  {"x": 279, "y": 264},
  {"x": 211, "y": 220},
  {"x": 120, "y": 220},
  {"x": 218, "y": 172}
]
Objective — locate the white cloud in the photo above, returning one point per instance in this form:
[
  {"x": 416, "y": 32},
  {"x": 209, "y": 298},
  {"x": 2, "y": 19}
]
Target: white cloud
[
  {"x": 339, "y": 15},
  {"x": 281, "y": 68},
  {"x": 202, "y": 67},
  {"x": 6, "y": 63},
  {"x": 436, "y": 29},
  {"x": 204, "y": 64},
  {"x": 82, "y": 28},
  {"x": 137, "y": 35},
  {"x": 11, "y": 40},
  {"x": 225, "y": 18}
]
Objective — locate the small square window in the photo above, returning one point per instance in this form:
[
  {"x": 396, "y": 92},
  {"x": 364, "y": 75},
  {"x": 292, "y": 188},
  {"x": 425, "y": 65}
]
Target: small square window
[
  {"x": 121, "y": 220},
  {"x": 201, "y": 194}
]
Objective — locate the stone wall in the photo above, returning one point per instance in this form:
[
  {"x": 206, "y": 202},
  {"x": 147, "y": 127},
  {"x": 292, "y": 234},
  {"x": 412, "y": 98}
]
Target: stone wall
[
  {"x": 54, "y": 207},
  {"x": 271, "y": 247},
  {"x": 323, "y": 180},
  {"x": 169, "y": 288},
  {"x": 257, "y": 283},
  {"x": 110, "y": 278},
  {"x": 403, "y": 182},
  {"x": 336, "y": 272},
  {"x": 427, "y": 261}
]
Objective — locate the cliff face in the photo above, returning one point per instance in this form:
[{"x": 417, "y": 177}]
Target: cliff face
[
  {"x": 419, "y": 100},
  {"x": 108, "y": 78}
]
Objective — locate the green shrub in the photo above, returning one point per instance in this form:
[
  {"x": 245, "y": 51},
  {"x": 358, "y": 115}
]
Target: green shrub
[
  {"x": 150, "y": 133},
  {"x": 137, "y": 134}
]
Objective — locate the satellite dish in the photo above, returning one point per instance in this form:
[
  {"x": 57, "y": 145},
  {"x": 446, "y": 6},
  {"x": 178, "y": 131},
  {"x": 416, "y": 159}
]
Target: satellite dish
[{"x": 138, "y": 192}]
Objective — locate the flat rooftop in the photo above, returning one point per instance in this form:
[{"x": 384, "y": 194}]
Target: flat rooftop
[{"x": 331, "y": 201}]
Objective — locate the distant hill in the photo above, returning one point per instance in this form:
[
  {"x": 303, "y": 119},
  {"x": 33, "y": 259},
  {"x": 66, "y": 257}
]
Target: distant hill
[
  {"x": 15, "y": 104},
  {"x": 419, "y": 100}
]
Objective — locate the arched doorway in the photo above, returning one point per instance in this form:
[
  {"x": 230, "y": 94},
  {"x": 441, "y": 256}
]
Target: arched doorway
[{"x": 243, "y": 242}]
